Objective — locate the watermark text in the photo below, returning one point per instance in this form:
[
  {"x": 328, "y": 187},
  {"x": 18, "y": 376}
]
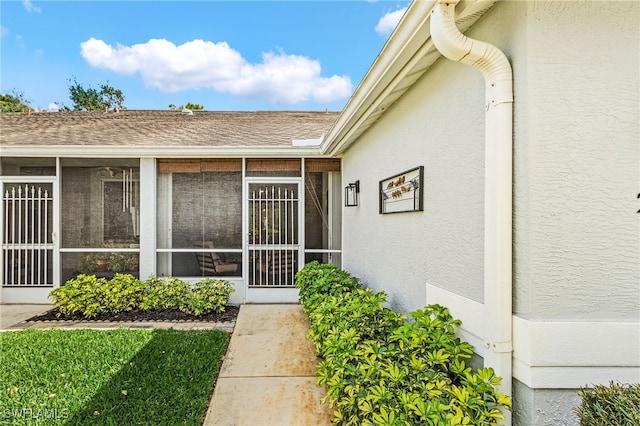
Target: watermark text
[{"x": 34, "y": 413}]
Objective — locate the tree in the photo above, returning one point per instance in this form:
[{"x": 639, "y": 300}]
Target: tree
[
  {"x": 91, "y": 99},
  {"x": 14, "y": 102},
  {"x": 189, "y": 105},
  {"x": 112, "y": 96}
]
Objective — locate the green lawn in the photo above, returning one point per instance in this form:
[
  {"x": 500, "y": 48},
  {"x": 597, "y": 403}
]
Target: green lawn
[{"x": 113, "y": 377}]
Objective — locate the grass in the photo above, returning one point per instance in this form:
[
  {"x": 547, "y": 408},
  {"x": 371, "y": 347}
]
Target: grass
[{"x": 110, "y": 377}]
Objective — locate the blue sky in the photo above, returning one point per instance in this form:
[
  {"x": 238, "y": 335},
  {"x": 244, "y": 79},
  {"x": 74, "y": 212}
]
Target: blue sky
[{"x": 224, "y": 55}]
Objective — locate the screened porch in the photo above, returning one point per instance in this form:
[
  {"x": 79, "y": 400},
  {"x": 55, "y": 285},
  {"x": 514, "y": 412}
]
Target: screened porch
[{"x": 254, "y": 221}]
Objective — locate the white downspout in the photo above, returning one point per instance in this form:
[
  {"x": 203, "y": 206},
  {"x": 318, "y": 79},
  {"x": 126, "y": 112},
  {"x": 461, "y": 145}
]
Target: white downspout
[{"x": 498, "y": 78}]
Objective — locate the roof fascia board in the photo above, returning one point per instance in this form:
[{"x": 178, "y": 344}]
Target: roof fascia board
[
  {"x": 406, "y": 46},
  {"x": 400, "y": 46},
  {"x": 154, "y": 151}
]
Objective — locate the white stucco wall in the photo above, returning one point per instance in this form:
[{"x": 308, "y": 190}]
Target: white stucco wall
[
  {"x": 576, "y": 169},
  {"x": 577, "y": 240},
  {"x": 442, "y": 245}
]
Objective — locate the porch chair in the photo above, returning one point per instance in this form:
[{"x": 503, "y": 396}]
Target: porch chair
[
  {"x": 278, "y": 262},
  {"x": 212, "y": 263}
]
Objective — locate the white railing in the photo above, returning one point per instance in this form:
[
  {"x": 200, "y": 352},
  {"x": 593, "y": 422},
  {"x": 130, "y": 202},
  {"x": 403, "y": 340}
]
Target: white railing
[
  {"x": 273, "y": 239},
  {"x": 27, "y": 238}
]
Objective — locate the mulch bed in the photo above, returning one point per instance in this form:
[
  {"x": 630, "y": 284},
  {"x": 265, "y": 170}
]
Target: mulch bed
[{"x": 230, "y": 314}]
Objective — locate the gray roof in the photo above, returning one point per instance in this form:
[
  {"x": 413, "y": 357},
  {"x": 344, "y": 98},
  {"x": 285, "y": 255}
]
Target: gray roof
[{"x": 164, "y": 128}]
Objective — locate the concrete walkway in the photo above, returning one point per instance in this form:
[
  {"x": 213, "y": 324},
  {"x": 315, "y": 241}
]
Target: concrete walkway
[
  {"x": 11, "y": 316},
  {"x": 268, "y": 375}
]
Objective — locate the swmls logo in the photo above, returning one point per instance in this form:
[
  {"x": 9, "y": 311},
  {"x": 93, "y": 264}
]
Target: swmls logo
[{"x": 29, "y": 413}]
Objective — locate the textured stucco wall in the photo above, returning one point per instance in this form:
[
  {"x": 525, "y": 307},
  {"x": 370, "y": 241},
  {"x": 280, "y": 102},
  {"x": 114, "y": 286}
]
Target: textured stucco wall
[
  {"x": 439, "y": 124},
  {"x": 577, "y": 245},
  {"x": 576, "y": 169},
  {"x": 544, "y": 407}
]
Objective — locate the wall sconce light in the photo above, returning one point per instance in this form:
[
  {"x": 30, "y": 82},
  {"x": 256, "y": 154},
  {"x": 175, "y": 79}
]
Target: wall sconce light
[{"x": 351, "y": 192}]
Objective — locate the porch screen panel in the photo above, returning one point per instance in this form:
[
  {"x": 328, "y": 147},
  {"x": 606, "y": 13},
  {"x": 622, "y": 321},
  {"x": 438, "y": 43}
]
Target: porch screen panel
[
  {"x": 274, "y": 167},
  {"x": 221, "y": 165},
  {"x": 178, "y": 166},
  {"x": 27, "y": 166},
  {"x": 200, "y": 217},
  {"x": 27, "y": 243},
  {"x": 100, "y": 203},
  {"x": 199, "y": 165},
  {"x": 323, "y": 206},
  {"x": 100, "y": 216},
  {"x": 322, "y": 165}
]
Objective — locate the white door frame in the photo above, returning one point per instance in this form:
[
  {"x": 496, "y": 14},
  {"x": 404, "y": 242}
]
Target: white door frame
[
  {"x": 30, "y": 293},
  {"x": 271, "y": 294}
]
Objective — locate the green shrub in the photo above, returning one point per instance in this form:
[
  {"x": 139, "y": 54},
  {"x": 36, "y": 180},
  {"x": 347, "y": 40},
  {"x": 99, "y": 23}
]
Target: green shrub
[
  {"x": 360, "y": 311},
  {"x": 317, "y": 280},
  {"x": 382, "y": 368},
  {"x": 612, "y": 405},
  {"x": 83, "y": 294},
  {"x": 122, "y": 293},
  {"x": 208, "y": 295},
  {"x": 91, "y": 296},
  {"x": 164, "y": 293}
]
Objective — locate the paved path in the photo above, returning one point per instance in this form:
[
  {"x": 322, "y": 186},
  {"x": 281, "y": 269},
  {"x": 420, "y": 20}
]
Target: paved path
[
  {"x": 268, "y": 375},
  {"x": 12, "y": 316}
]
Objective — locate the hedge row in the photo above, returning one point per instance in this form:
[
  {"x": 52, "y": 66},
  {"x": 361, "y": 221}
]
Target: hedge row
[
  {"x": 382, "y": 368},
  {"x": 90, "y": 296}
]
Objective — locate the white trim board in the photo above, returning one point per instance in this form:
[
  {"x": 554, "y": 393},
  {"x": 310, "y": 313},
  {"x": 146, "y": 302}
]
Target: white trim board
[
  {"x": 470, "y": 312},
  {"x": 26, "y": 295},
  {"x": 119, "y": 151},
  {"x": 576, "y": 344},
  {"x": 572, "y": 377},
  {"x": 286, "y": 295},
  {"x": 555, "y": 354}
]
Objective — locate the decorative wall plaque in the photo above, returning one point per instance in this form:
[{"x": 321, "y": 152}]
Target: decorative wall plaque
[{"x": 402, "y": 192}]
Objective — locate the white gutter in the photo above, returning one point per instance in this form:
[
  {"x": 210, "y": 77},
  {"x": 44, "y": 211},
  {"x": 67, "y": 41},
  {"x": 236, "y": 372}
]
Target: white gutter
[{"x": 498, "y": 78}]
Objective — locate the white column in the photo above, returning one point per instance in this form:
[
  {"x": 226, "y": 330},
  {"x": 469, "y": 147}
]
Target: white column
[
  {"x": 147, "y": 217},
  {"x": 57, "y": 224}
]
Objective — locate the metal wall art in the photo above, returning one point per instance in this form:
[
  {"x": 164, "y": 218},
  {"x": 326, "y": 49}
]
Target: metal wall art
[{"x": 402, "y": 192}]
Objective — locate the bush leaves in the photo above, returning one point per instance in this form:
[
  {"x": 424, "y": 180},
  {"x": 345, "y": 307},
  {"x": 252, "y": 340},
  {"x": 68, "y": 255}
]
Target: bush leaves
[
  {"x": 382, "y": 368},
  {"x": 91, "y": 296}
]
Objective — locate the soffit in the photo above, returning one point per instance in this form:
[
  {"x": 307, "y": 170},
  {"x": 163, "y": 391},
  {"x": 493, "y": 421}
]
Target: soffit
[{"x": 405, "y": 58}]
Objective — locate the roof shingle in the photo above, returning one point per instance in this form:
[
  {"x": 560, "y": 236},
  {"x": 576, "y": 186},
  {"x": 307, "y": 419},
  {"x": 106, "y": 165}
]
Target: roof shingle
[{"x": 164, "y": 128}]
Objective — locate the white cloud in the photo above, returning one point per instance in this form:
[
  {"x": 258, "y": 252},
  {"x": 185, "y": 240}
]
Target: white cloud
[
  {"x": 53, "y": 107},
  {"x": 3, "y": 31},
  {"x": 204, "y": 64},
  {"x": 388, "y": 22},
  {"x": 30, "y": 7}
]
